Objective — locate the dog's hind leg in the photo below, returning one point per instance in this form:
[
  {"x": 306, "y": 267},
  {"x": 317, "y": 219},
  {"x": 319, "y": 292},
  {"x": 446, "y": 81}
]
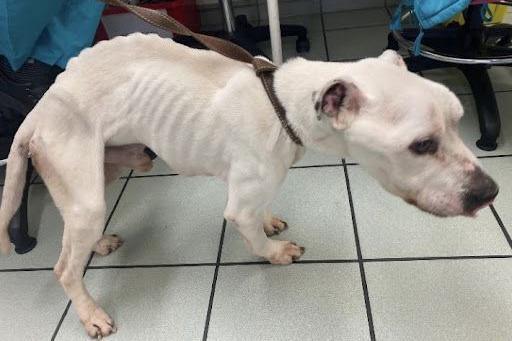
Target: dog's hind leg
[{"x": 73, "y": 173}]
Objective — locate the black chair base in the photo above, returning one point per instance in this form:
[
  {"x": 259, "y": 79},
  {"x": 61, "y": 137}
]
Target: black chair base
[
  {"x": 486, "y": 106},
  {"x": 262, "y": 33},
  {"x": 18, "y": 228}
]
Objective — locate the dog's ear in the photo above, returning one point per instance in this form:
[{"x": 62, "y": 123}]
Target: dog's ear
[
  {"x": 340, "y": 101},
  {"x": 392, "y": 57}
]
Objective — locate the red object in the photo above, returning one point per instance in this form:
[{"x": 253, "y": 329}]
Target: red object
[{"x": 185, "y": 11}]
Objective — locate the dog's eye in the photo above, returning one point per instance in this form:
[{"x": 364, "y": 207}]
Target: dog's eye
[{"x": 427, "y": 146}]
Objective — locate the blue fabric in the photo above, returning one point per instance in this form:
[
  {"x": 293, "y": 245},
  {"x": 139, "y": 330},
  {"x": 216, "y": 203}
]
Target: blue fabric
[
  {"x": 50, "y": 31},
  {"x": 428, "y": 13}
]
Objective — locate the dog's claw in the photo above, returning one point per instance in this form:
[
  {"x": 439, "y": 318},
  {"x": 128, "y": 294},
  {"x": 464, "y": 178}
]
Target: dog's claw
[
  {"x": 275, "y": 226},
  {"x": 99, "y": 324}
]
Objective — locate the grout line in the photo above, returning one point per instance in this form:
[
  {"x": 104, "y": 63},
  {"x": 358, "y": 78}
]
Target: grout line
[
  {"x": 318, "y": 166},
  {"x": 149, "y": 176},
  {"x": 64, "y": 314},
  {"x": 138, "y": 266},
  {"x": 411, "y": 259},
  {"x": 494, "y": 156},
  {"x": 214, "y": 282},
  {"x": 356, "y": 27},
  {"x": 502, "y": 226},
  {"x": 327, "y": 56},
  {"x": 360, "y": 257},
  {"x": 25, "y": 269},
  {"x": 62, "y": 317},
  {"x": 478, "y": 157},
  {"x": 305, "y": 261},
  {"x": 293, "y": 167}
]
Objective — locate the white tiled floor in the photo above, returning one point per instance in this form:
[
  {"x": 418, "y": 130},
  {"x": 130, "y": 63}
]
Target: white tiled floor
[{"x": 419, "y": 278}]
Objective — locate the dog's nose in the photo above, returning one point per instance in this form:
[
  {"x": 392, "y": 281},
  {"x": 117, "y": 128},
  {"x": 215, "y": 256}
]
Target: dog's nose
[{"x": 480, "y": 192}]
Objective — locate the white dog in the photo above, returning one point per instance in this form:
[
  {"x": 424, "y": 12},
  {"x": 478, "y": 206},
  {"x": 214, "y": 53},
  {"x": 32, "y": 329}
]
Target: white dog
[{"x": 205, "y": 114}]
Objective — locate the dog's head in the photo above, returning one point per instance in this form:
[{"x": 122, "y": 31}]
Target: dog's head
[{"x": 402, "y": 129}]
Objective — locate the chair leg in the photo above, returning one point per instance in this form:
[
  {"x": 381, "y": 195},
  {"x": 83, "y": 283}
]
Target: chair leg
[
  {"x": 18, "y": 228},
  {"x": 486, "y": 106}
]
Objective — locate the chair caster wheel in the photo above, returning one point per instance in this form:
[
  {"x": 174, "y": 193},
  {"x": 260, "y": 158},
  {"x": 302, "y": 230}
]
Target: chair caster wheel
[
  {"x": 27, "y": 246},
  {"x": 486, "y": 145}
]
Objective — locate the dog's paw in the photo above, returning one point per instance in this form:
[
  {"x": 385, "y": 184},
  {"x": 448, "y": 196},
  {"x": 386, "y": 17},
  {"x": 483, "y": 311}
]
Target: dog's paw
[
  {"x": 144, "y": 167},
  {"x": 286, "y": 252},
  {"x": 108, "y": 244},
  {"x": 139, "y": 160},
  {"x": 275, "y": 226},
  {"x": 99, "y": 324}
]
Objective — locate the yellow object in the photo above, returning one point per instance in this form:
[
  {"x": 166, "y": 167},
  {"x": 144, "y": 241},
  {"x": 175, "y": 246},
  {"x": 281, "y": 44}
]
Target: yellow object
[{"x": 498, "y": 14}]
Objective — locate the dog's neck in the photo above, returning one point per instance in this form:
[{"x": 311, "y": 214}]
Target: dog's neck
[{"x": 297, "y": 84}]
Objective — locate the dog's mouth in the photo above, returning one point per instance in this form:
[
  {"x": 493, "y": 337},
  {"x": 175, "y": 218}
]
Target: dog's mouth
[
  {"x": 441, "y": 213},
  {"x": 444, "y": 213}
]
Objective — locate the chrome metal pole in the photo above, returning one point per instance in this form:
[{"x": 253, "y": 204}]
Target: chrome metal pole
[{"x": 229, "y": 19}]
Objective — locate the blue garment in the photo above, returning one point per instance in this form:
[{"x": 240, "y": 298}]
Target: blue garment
[
  {"x": 50, "y": 31},
  {"x": 428, "y": 13}
]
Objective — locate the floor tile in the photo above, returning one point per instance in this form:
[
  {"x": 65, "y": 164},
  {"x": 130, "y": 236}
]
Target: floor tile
[
  {"x": 355, "y": 18},
  {"x": 388, "y": 227},
  {"x": 314, "y": 202},
  {"x": 45, "y": 223},
  {"x": 357, "y": 43},
  {"x": 501, "y": 170},
  {"x": 313, "y": 158},
  {"x": 31, "y": 305},
  {"x": 148, "y": 304},
  {"x": 317, "y": 46},
  {"x": 290, "y": 11},
  {"x": 441, "y": 300},
  {"x": 168, "y": 220},
  {"x": 297, "y": 302},
  {"x": 336, "y": 5},
  {"x": 501, "y": 78},
  {"x": 470, "y": 131}
]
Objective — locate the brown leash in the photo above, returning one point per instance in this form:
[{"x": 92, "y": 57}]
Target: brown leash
[{"x": 264, "y": 69}]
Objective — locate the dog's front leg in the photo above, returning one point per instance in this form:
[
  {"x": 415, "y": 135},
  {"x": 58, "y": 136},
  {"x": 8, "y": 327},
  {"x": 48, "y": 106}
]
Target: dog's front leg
[{"x": 246, "y": 207}]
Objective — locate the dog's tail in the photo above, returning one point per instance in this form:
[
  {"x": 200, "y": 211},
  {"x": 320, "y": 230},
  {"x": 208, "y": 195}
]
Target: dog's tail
[{"x": 12, "y": 195}]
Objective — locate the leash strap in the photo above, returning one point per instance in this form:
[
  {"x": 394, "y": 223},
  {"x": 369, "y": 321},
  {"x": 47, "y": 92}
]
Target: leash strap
[{"x": 263, "y": 68}]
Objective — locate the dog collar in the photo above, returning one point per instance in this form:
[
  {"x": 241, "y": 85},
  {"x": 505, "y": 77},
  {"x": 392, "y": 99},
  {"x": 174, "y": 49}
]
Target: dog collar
[{"x": 265, "y": 71}]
